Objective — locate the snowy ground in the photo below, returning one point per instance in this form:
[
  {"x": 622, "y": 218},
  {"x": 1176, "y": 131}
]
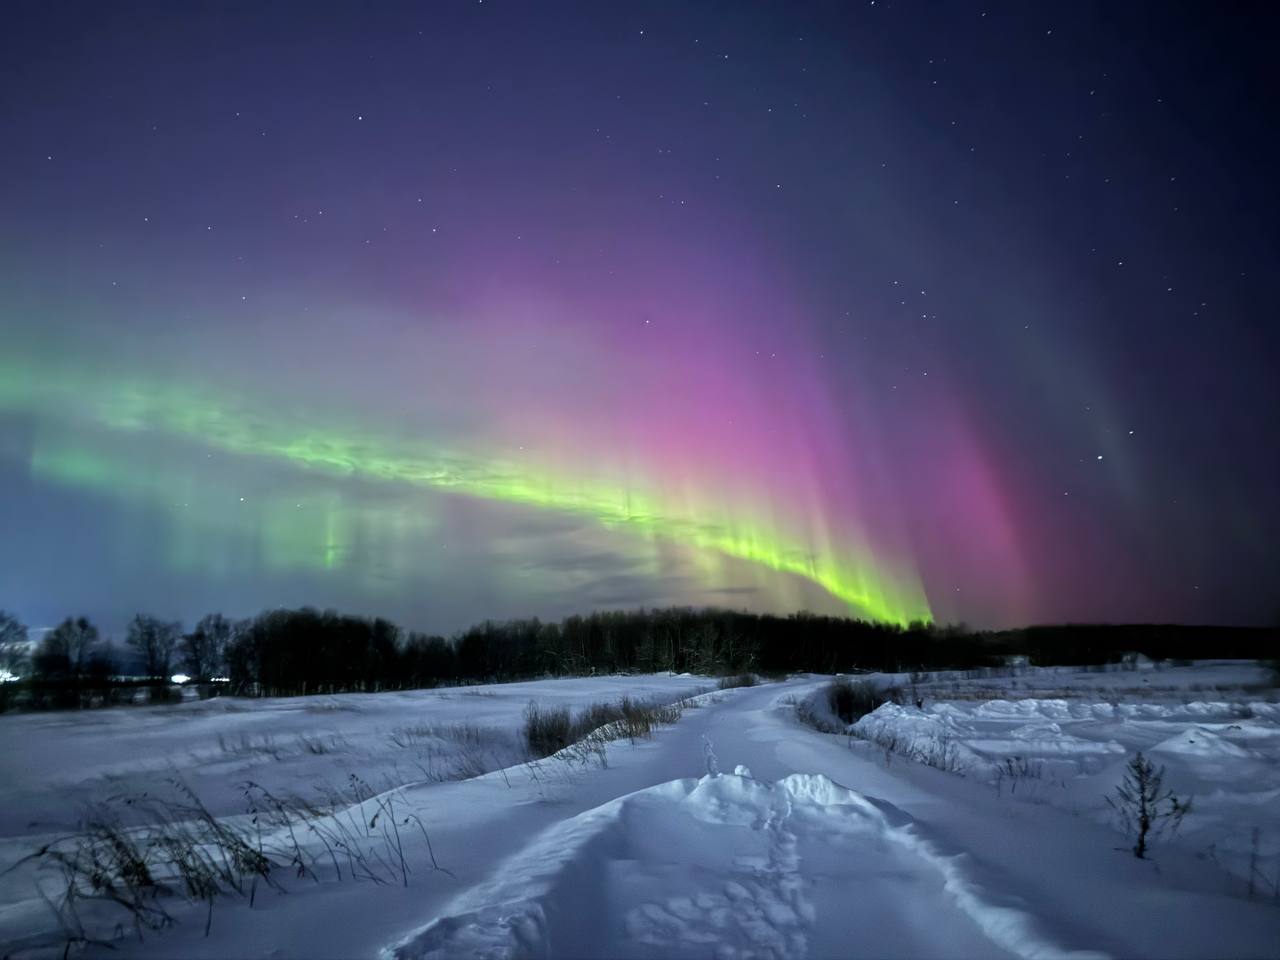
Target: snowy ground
[
  {"x": 1063, "y": 737},
  {"x": 285, "y": 744},
  {"x": 802, "y": 846}
]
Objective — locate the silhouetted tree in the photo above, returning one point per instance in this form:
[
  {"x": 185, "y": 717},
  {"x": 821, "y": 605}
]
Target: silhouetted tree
[
  {"x": 102, "y": 665},
  {"x": 14, "y": 650},
  {"x": 155, "y": 641},
  {"x": 427, "y": 661},
  {"x": 202, "y": 650},
  {"x": 65, "y": 650},
  {"x": 1145, "y": 807},
  {"x": 285, "y": 652},
  {"x": 240, "y": 659}
]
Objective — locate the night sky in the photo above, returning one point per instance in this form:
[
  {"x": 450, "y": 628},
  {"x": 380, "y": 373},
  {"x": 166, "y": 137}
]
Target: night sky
[{"x": 453, "y": 311}]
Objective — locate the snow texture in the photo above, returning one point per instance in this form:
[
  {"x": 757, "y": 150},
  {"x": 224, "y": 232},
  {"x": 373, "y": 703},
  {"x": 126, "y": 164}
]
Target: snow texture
[
  {"x": 731, "y": 867},
  {"x": 812, "y": 846}
]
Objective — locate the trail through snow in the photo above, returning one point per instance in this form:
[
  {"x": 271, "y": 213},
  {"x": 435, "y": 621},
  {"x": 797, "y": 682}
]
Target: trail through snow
[
  {"x": 731, "y": 867},
  {"x": 773, "y": 863}
]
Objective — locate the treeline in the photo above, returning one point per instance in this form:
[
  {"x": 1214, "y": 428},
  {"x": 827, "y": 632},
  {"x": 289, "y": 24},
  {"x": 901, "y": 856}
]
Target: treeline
[
  {"x": 303, "y": 651},
  {"x": 73, "y": 666},
  {"x": 287, "y": 652},
  {"x": 1088, "y": 643}
]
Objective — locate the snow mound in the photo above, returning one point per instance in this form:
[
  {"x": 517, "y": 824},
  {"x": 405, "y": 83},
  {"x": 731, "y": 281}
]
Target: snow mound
[
  {"x": 905, "y": 721},
  {"x": 1069, "y": 753},
  {"x": 1032, "y": 709},
  {"x": 929, "y": 735},
  {"x": 1037, "y": 730},
  {"x": 1201, "y": 742},
  {"x": 730, "y": 867}
]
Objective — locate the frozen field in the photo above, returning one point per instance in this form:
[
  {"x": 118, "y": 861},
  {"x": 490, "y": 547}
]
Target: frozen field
[
  {"x": 1063, "y": 737},
  {"x": 284, "y": 744},
  {"x": 734, "y": 832}
]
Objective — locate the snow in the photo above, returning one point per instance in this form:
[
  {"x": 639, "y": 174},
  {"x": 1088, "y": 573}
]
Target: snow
[
  {"x": 812, "y": 846},
  {"x": 284, "y": 743},
  {"x": 1223, "y": 754},
  {"x": 733, "y": 867}
]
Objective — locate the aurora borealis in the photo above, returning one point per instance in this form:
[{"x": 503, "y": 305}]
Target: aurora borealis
[
  {"x": 625, "y": 503},
  {"x": 456, "y": 311}
]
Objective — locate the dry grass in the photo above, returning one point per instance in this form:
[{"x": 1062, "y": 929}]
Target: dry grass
[
  {"x": 133, "y": 857},
  {"x": 549, "y": 730}
]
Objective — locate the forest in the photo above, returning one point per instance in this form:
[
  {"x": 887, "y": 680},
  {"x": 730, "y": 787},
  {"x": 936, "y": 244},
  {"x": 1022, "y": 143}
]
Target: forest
[{"x": 305, "y": 651}]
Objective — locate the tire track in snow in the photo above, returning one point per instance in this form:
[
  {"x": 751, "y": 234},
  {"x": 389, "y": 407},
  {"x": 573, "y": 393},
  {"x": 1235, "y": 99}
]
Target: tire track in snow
[
  {"x": 735, "y": 868},
  {"x": 762, "y": 911}
]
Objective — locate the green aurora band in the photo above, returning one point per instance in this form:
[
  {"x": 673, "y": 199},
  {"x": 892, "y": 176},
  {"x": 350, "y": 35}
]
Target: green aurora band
[{"x": 79, "y": 398}]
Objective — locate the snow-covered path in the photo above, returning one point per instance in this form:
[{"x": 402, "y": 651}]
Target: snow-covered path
[
  {"x": 814, "y": 849},
  {"x": 725, "y": 866}
]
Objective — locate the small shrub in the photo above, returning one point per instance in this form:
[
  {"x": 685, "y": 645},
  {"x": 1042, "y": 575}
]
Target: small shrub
[
  {"x": 425, "y": 734},
  {"x": 547, "y": 729},
  {"x": 597, "y": 715},
  {"x": 936, "y": 750},
  {"x": 810, "y": 717},
  {"x": 627, "y": 718},
  {"x": 850, "y": 701},
  {"x": 318, "y": 745},
  {"x": 940, "y": 752},
  {"x": 550, "y": 730},
  {"x": 1145, "y": 808},
  {"x": 741, "y": 680},
  {"x": 1017, "y": 770},
  {"x": 411, "y": 736}
]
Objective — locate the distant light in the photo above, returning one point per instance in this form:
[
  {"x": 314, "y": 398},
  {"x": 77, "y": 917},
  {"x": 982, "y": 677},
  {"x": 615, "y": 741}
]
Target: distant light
[
  {"x": 179, "y": 678},
  {"x": 219, "y": 679},
  {"x": 7, "y": 677}
]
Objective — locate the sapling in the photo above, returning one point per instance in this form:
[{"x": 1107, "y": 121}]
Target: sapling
[{"x": 1145, "y": 808}]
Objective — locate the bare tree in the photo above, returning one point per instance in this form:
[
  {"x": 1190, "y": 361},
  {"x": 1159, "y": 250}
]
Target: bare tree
[
  {"x": 13, "y": 644},
  {"x": 1144, "y": 806},
  {"x": 204, "y": 648},
  {"x": 67, "y": 648},
  {"x": 702, "y": 649},
  {"x": 156, "y": 642}
]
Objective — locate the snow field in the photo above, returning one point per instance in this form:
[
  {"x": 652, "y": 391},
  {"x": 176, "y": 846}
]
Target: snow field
[
  {"x": 1071, "y": 753},
  {"x": 307, "y": 745},
  {"x": 635, "y": 848}
]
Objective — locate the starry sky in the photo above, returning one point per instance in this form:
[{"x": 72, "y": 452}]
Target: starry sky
[{"x": 464, "y": 310}]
